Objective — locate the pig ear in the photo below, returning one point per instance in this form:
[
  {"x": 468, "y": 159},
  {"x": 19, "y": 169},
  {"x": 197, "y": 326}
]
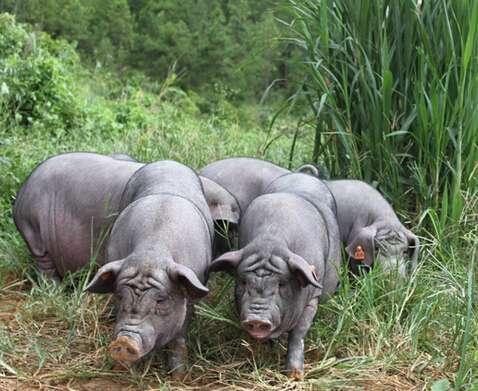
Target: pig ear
[
  {"x": 413, "y": 247},
  {"x": 227, "y": 262},
  {"x": 309, "y": 169},
  {"x": 187, "y": 278},
  {"x": 224, "y": 211},
  {"x": 362, "y": 246},
  {"x": 304, "y": 270},
  {"x": 222, "y": 204},
  {"x": 103, "y": 281}
]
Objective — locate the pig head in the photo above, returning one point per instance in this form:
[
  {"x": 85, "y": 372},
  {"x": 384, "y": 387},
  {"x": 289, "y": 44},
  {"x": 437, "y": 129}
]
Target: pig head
[{"x": 153, "y": 299}]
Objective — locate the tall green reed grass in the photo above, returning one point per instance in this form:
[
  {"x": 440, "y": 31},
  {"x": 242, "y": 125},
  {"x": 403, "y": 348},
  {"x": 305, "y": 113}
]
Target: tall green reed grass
[{"x": 393, "y": 90}]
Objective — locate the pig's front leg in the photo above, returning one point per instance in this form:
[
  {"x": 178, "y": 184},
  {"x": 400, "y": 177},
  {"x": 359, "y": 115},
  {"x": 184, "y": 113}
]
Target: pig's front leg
[
  {"x": 178, "y": 358},
  {"x": 178, "y": 350},
  {"x": 295, "y": 347}
]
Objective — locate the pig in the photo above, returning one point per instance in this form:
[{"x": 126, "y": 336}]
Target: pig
[
  {"x": 288, "y": 261},
  {"x": 222, "y": 203},
  {"x": 245, "y": 178},
  {"x": 369, "y": 227},
  {"x": 223, "y": 206},
  {"x": 157, "y": 259},
  {"x": 387, "y": 242},
  {"x": 66, "y": 206}
]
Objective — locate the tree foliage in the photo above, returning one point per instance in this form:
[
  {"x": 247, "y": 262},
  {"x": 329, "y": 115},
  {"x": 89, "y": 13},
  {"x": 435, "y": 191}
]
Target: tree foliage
[{"x": 231, "y": 43}]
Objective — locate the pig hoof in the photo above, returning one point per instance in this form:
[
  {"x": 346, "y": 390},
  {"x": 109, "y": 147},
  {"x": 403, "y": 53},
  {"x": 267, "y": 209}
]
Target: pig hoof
[
  {"x": 118, "y": 367},
  {"x": 295, "y": 374},
  {"x": 178, "y": 376},
  {"x": 124, "y": 350}
]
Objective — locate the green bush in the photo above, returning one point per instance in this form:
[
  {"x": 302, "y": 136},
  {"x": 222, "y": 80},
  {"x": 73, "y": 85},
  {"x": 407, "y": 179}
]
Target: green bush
[{"x": 37, "y": 79}]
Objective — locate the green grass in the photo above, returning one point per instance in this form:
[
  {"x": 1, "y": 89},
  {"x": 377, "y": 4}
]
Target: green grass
[
  {"x": 393, "y": 88},
  {"x": 376, "y": 332}
]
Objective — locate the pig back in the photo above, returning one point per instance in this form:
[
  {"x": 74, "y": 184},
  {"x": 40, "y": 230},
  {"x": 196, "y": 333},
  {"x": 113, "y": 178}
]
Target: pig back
[
  {"x": 300, "y": 226},
  {"x": 317, "y": 193},
  {"x": 168, "y": 178},
  {"x": 245, "y": 178}
]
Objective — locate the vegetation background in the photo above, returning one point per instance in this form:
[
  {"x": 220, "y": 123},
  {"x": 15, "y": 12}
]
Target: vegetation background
[{"x": 380, "y": 90}]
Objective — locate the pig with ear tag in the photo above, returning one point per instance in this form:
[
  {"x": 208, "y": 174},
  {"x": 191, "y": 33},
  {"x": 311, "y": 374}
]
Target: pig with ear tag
[
  {"x": 370, "y": 229},
  {"x": 157, "y": 259},
  {"x": 287, "y": 262}
]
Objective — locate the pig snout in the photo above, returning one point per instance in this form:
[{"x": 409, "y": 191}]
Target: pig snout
[
  {"x": 126, "y": 349},
  {"x": 257, "y": 328},
  {"x": 132, "y": 343}
]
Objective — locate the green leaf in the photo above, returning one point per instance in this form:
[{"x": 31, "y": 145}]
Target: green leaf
[
  {"x": 4, "y": 89},
  {"x": 441, "y": 385}
]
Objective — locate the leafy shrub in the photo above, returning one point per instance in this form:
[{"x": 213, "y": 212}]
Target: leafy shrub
[{"x": 37, "y": 78}]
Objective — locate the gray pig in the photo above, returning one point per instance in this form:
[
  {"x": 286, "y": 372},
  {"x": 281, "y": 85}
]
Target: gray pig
[
  {"x": 369, "y": 227},
  {"x": 69, "y": 200},
  {"x": 157, "y": 259},
  {"x": 288, "y": 260},
  {"x": 245, "y": 179},
  {"x": 64, "y": 205}
]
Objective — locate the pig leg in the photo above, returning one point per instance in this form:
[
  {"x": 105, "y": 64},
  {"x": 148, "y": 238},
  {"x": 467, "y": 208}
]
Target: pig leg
[
  {"x": 46, "y": 266},
  {"x": 178, "y": 351},
  {"x": 177, "y": 357},
  {"x": 295, "y": 347}
]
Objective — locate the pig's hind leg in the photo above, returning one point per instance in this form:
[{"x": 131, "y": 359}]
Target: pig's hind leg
[
  {"x": 295, "y": 347},
  {"x": 45, "y": 264}
]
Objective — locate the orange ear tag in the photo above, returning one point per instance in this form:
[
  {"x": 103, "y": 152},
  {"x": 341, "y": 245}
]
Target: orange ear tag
[
  {"x": 359, "y": 254},
  {"x": 106, "y": 276}
]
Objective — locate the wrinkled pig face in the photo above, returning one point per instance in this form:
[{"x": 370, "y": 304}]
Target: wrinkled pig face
[
  {"x": 394, "y": 252},
  {"x": 391, "y": 248},
  {"x": 269, "y": 290},
  {"x": 151, "y": 311},
  {"x": 152, "y": 304}
]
